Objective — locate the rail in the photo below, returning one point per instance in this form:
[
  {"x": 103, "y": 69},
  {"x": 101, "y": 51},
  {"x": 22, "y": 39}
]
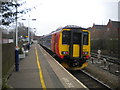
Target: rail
[{"x": 89, "y": 81}]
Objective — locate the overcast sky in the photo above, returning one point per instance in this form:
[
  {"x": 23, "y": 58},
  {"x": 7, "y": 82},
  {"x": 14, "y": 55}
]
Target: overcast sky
[{"x": 51, "y": 14}]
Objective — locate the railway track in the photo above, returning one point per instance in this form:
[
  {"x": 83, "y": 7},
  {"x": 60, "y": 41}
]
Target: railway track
[{"x": 89, "y": 81}]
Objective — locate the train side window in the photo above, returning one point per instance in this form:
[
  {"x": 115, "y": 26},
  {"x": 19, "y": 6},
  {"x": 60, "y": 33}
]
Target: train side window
[
  {"x": 66, "y": 37},
  {"x": 85, "y": 38}
]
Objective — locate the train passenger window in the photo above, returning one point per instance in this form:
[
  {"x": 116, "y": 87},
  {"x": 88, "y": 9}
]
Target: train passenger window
[
  {"x": 85, "y": 38},
  {"x": 66, "y": 37}
]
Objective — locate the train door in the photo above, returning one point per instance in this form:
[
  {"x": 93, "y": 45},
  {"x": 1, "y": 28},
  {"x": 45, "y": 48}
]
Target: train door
[{"x": 76, "y": 43}]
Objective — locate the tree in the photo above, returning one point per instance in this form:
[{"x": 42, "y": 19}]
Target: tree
[{"x": 9, "y": 13}]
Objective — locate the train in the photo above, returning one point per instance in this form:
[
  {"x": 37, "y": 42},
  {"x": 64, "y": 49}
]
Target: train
[{"x": 71, "y": 44}]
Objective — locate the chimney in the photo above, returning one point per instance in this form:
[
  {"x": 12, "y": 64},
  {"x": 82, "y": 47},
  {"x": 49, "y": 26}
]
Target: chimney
[{"x": 109, "y": 20}]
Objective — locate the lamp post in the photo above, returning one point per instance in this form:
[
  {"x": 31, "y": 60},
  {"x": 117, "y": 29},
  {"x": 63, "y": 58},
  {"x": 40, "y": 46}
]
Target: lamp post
[
  {"x": 16, "y": 44},
  {"x": 28, "y": 28},
  {"x": 33, "y": 33}
]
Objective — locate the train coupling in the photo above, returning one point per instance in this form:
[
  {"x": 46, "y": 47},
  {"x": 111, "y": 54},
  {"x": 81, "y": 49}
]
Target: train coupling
[{"x": 75, "y": 63}]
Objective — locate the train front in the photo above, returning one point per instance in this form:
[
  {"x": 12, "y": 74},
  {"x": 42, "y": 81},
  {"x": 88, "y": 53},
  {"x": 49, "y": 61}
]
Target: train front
[{"x": 74, "y": 47}]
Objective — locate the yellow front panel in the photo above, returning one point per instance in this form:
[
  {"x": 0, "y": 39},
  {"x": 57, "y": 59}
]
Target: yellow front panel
[
  {"x": 86, "y": 48},
  {"x": 62, "y": 46},
  {"x": 76, "y": 50}
]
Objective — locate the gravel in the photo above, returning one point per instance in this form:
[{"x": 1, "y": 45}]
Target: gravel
[{"x": 109, "y": 79}]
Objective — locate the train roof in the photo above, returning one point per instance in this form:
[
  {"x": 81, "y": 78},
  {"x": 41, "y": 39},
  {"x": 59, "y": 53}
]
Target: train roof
[
  {"x": 73, "y": 27},
  {"x": 65, "y": 27}
]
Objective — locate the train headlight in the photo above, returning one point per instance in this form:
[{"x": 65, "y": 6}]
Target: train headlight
[
  {"x": 85, "y": 53},
  {"x": 64, "y": 52}
]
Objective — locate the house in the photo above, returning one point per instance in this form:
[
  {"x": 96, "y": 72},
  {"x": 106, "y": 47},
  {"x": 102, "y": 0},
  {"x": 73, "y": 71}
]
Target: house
[
  {"x": 113, "y": 33},
  {"x": 97, "y": 31},
  {"x": 113, "y": 30}
]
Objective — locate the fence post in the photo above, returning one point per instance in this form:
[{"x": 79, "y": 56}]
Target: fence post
[
  {"x": 92, "y": 60},
  {"x": 99, "y": 55},
  {"x": 109, "y": 66},
  {"x": 118, "y": 67},
  {"x": 105, "y": 62}
]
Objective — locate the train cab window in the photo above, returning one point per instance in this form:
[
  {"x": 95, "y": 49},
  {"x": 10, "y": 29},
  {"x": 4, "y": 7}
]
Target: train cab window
[
  {"x": 76, "y": 38},
  {"x": 66, "y": 37},
  {"x": 85, "y": 38}
]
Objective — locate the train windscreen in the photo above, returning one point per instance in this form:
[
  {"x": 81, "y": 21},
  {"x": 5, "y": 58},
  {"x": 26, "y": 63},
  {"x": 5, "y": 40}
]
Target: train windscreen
[
  {"x": 85, "y": 38},
  {"x": 76, "y": 38},
  {"x": 66, "y": 37}
]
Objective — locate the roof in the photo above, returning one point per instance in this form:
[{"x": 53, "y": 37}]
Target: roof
[
  {"x": 100, "y": 27},
  {"x": 116, "y": 24}
]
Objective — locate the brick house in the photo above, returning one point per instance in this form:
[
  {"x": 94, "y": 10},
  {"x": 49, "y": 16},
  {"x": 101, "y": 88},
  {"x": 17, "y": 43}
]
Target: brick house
[
  {"x": 98, "y": 31},
  {"x": 113, "y": 33},
  {"x": 113, "y": 29},
  {"x": 106, "y": 38},
  {"x": 97, "y": 36}
]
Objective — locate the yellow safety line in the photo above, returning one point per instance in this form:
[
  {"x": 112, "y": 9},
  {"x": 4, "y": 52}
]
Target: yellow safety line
[{"x": 40, "y": 71}]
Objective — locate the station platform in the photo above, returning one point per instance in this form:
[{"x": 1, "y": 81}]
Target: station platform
[{"x": 40, "y": 70}]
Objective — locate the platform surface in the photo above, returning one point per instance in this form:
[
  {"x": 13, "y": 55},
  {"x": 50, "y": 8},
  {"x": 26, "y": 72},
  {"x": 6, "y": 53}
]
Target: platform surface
[{"x": 40, "y": 70}]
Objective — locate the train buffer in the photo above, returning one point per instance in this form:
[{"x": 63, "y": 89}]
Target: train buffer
[{"x": 40, "y": 70}]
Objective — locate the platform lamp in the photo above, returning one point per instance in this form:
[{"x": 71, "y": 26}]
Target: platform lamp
[{"x": 28, "y": 28}]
